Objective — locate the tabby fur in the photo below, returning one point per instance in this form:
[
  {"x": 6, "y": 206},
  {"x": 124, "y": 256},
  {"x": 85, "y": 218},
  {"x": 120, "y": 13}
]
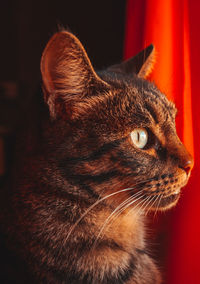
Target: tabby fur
[{"x": 75, "y": 209}]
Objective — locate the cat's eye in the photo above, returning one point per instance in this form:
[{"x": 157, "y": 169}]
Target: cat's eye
[{"x": 139, "y": 137}]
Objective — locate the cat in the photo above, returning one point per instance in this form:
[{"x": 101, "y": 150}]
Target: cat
[{"x": 102, "y": 153}]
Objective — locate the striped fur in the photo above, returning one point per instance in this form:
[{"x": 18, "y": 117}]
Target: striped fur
[{"x": 80, "y": 188}]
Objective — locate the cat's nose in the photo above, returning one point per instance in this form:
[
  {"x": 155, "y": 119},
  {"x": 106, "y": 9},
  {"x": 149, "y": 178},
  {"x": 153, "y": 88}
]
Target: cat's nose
[
  {"x": 185, "y": 160},
  {"x": 188, "y": 166}
]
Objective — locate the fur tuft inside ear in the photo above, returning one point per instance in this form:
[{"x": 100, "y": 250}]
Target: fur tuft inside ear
[
  {"x": 67, "y": 72},
  {"x": 141, "y": 64}
]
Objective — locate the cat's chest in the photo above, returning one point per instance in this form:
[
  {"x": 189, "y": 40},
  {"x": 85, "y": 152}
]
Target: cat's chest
[{"x": 125, "y": 229}]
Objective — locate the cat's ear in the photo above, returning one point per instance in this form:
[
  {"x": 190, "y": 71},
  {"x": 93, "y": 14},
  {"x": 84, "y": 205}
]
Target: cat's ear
[
  {"x": 67, "y": 72},
  {"x": 141, "y": 64}
]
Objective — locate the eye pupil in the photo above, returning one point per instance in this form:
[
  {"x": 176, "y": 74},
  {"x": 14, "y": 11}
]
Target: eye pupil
[{"x": 139, "y": 137}]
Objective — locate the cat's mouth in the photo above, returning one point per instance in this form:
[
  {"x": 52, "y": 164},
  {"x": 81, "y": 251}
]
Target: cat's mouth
[
  {"x": 165, "y": 193},
  {"x": 166, "y": 202},
  {"x": 169, "y": 199}
]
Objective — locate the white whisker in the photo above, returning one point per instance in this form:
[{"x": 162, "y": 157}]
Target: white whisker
[
  {"x": 147, "y": 204},
  {"x": 129, "y": 204},
  {"x": 100, "y": 200},
  {"x": 154, "y": 200},
  {"x": 159, "y": 199},
  {"x": 120, "y": 209},
  {"x": 140, "y": 207}
]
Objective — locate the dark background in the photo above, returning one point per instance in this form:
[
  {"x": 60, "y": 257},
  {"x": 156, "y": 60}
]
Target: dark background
[{"x": 25, "y": 28}]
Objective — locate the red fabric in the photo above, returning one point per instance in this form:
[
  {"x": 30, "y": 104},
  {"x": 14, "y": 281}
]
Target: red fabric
[{"x": 173, "y": 27}]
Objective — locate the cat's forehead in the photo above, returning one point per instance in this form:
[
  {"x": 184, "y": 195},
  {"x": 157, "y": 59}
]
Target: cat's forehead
[
  {"x": 152, "y": 100},
  {"x": 132, "y": 102},
  {"x": 139, "y": 101}
]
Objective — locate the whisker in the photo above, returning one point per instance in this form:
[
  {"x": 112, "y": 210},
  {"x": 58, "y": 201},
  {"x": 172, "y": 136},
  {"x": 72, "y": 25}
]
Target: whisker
[
  {"x": 144, "y": 206},
  {"x": 128, "y": 205},
  {"x": 136, "y": 184},
  {"x": 150, "y": 204},
  {"x": 154, "y": 200},
  {"x": 120, "y": 209},
  {"x": 161, "y": 195},
  {"x": 92, "y": 206},
  {"x": 139, "y": 205},
  {"x": 143, "y": 202},
  {"x": 100, "y": 200}
]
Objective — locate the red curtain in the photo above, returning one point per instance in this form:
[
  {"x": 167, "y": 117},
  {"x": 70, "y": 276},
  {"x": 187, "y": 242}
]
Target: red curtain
[{"x": 173, "y": 26}]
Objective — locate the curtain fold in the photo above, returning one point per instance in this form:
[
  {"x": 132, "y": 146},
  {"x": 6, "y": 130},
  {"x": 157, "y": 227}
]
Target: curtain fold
[{"x": 173, "y": 27}]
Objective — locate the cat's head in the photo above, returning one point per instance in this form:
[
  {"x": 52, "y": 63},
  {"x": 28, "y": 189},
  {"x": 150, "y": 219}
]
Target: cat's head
[{"x": 121, "y": 128}]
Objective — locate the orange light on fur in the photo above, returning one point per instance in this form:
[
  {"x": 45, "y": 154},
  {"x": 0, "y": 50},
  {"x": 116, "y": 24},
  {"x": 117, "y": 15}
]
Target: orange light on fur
[
  {"x": 165, "y": 25},
  {"x": 173, "y": 28}
]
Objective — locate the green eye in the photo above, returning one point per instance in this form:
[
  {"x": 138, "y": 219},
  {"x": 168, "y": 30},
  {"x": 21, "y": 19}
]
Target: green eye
[{"x": 139, "y": 137}]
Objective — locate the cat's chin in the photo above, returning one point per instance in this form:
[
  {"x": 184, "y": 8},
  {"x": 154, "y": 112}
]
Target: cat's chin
[{"x": 166, "y": 202}]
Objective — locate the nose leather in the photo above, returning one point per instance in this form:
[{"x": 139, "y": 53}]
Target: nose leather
[
  {"x": 186, "y": 161},
  {"x": 181, "y": 156},
  {"x": 188, "y": 165}
]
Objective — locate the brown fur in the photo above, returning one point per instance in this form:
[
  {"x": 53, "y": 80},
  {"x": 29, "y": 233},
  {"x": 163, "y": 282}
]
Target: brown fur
[{"x": 80, "y": 190}]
